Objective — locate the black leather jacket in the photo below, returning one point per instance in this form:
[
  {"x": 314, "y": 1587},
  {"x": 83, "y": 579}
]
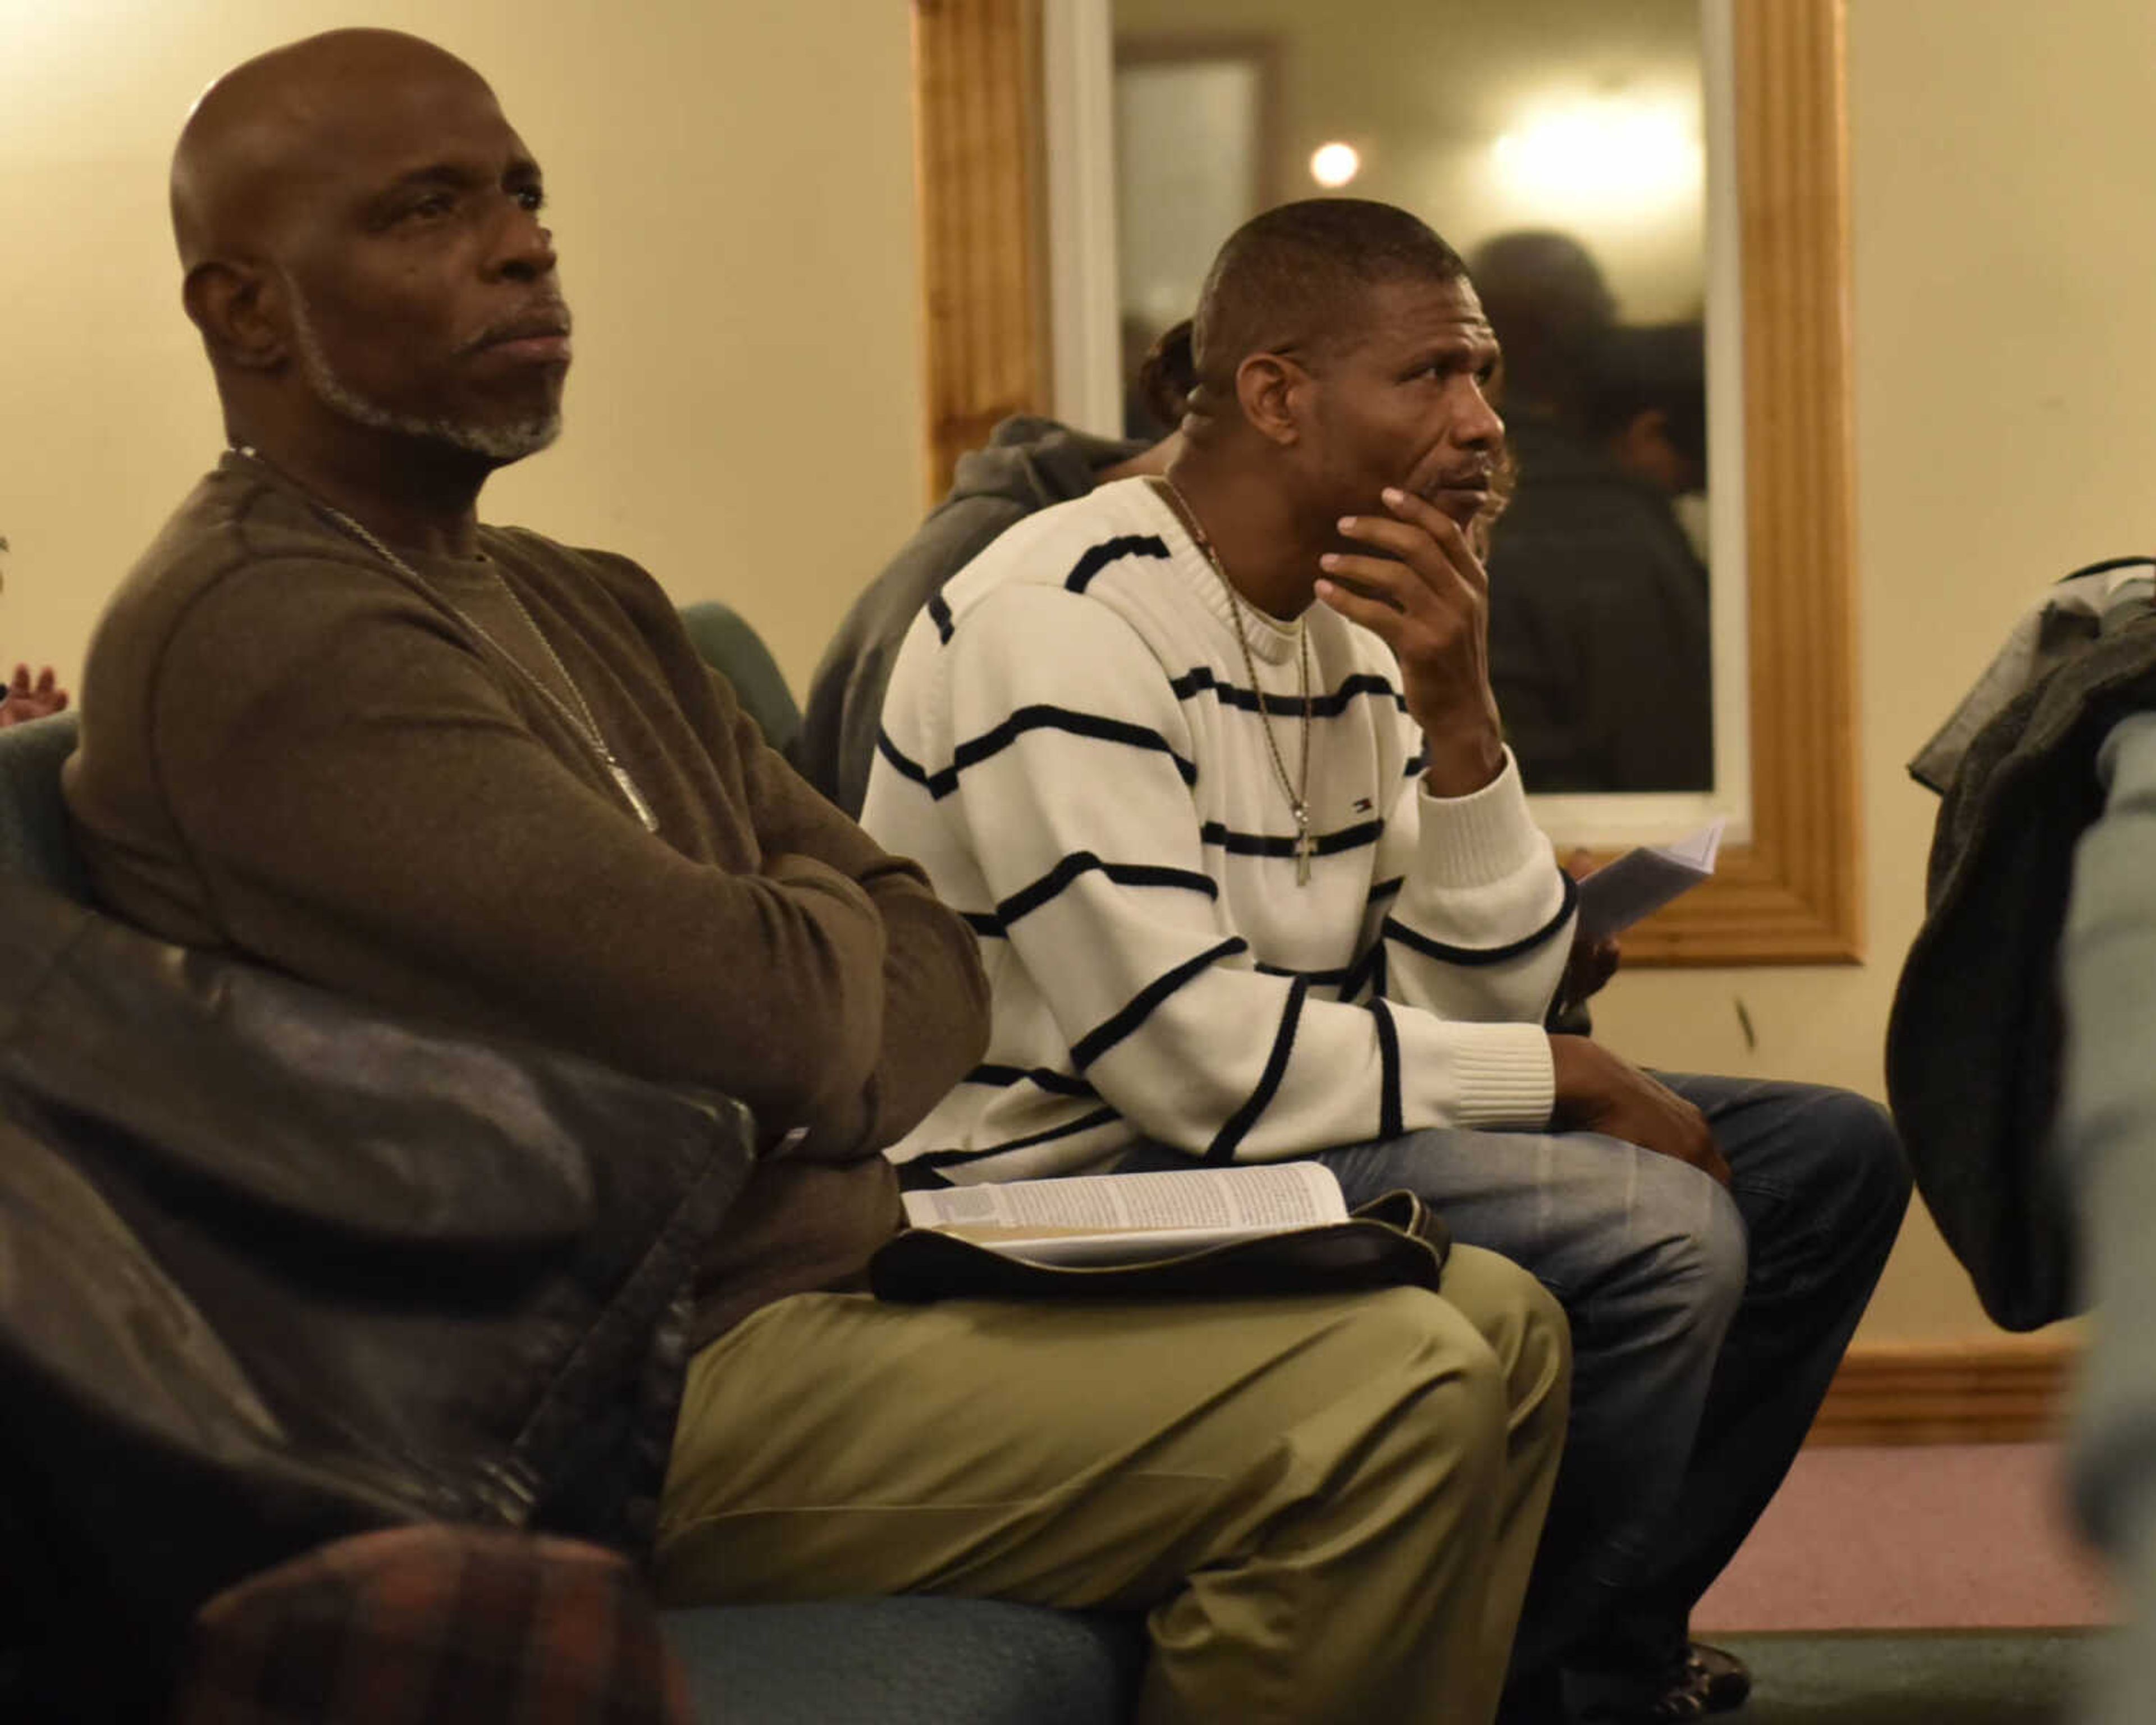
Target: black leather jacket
[{"x": 275, "y": 1269}]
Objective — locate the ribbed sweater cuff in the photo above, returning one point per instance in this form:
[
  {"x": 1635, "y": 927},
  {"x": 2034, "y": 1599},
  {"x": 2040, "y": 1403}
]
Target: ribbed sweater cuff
[
  {"x": 1504, "y": 1075},
  {"x": 1480, "y": 838}
]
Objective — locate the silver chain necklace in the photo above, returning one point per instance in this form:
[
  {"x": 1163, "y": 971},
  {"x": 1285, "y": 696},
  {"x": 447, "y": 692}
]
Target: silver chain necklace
[
  {"x": 581, "y": 720},
  {"x": 1297, "y": 793}
]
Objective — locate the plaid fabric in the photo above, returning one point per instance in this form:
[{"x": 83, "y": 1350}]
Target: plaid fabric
[{"x": 432, "y": 1624}]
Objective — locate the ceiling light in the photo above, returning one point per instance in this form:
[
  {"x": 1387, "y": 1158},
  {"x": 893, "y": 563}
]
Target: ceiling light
[{"x": 1333, "y": 165}]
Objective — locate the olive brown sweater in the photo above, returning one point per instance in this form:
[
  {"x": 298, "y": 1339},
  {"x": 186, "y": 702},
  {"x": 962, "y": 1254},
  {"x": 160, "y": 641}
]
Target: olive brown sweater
[{"x": 293, "y": 750}]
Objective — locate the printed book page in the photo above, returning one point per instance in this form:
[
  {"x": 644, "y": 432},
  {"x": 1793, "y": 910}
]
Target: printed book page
[
  {"x": 1619, "y": 894},
  {"x": 1132, "y": 1219}
]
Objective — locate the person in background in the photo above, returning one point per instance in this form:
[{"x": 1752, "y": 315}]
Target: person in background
[
  {"x": 1550, "y": 304},
  {"x": 2107, "y": 1138},
  {"x": 24, "y": 699},
  {"x": 1599, "y": 651}
]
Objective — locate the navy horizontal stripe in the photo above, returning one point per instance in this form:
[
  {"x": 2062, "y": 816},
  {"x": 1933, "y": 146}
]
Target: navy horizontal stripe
[
  {"x": 1396, "y": 931},
  {"x": 1111, "y": 551},
  {"x": 975, "y": 750},
  {"x": 1330, "y": 704},
  {"x": 1084, "y": 1123},
  {"x": 1239, "y": 1124},
  {"x": 1237, "y": 844},
  {"x": 1033, "y": 895},
  {"x": 939, "y": 613},
  {"x": 907, "y": 768},
  {"x": 1061, "y": 1084},
  {"x": 2105, "y": 567},
  {"x": 1134, "y": 1012},
  {"x": 1416, "y": 763},
  {"x": 986, "y": 926},
  {"x": 1044, "y": 717},
  {"x": 1314, "y": 978},
  {"x": 1384, "y": 889}
]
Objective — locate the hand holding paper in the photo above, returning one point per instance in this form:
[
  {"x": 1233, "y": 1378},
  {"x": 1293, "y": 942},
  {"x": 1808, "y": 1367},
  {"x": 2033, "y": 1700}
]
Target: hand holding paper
[{"x": 1619, "y": 894}]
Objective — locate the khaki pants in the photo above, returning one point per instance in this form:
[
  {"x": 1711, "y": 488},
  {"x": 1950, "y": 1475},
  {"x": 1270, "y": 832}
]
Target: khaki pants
[{"x": 1326, "y": 1506}]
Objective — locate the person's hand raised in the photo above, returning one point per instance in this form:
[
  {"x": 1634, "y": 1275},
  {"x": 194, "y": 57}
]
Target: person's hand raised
[{"x": 1427, "y": 598}]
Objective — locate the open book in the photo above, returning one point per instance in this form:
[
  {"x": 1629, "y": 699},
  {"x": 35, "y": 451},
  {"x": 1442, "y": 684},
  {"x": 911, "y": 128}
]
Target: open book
[
  {"x": 1132, "y": 1219},
  {"x": 1619, "y": 894}
]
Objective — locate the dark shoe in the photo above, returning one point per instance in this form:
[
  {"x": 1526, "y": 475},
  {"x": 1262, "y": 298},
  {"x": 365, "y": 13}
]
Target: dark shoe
[
  {"x": 1707, "y": 1680},
  {"x": 1674, "y": 1706},
  {"x": 1722, "y": 1680}
]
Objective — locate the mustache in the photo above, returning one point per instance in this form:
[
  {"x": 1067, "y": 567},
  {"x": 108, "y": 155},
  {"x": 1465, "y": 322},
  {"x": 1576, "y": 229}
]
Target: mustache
[
  {"x": 549, "y": 317},
  {"x": 1477, "y": 476}
]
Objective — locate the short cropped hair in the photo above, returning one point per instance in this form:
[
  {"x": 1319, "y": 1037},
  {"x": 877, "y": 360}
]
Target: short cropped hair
[{"x": 1296, "y": 279}]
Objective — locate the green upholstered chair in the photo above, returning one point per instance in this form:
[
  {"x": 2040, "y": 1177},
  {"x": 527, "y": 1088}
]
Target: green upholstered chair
[
  {"x": 733, "y": 648},
  {"x": 34, "y": 843}
]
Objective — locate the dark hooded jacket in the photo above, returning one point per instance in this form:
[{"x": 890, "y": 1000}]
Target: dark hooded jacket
[
  {"x": 1974, "y": 1045},
  {"x": 1029, "y": 465}
]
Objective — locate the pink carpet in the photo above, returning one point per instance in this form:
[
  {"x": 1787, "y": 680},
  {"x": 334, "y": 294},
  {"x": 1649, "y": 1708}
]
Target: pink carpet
[{"x": 1958, "y": 1536}]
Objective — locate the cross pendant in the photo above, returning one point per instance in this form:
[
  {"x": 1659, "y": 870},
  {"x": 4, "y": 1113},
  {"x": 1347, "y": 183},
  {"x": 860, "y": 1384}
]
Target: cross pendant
[{"x": 1305, "y": 847}]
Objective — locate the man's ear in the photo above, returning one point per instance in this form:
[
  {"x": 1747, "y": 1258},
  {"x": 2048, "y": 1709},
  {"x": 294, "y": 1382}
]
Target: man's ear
[
  {"x": 239, "y": 308},
  {"x": 1274, "y": 393}
]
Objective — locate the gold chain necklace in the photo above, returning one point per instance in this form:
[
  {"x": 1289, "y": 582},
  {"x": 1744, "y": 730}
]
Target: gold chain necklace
[
  {"x": 1297, "y": 791},
  {"x": 581, "y": 720}
]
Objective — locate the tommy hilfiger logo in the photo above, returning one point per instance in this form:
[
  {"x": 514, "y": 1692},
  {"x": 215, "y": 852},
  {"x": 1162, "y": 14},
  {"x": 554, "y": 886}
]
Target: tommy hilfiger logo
[{"x": 1363, "y": 805}]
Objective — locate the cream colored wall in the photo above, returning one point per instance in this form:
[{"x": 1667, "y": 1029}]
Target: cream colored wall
[
  {"x": 733, "y": 199},
  {"x": 2004, "y": 179}
]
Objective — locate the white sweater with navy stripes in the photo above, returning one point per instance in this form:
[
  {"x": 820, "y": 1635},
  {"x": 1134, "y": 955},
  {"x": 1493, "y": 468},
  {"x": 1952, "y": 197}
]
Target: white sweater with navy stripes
[{"x": 1071, "y": 748}]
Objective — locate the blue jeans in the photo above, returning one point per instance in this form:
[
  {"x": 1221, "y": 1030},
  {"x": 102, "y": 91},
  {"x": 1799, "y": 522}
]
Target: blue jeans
[{"x": 1707, "y": 1325}]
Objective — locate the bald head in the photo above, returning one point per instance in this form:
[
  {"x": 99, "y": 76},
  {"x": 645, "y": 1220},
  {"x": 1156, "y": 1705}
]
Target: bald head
[
  {"x": 365, "y": 255},
  {"x": 267, "y": 132}
]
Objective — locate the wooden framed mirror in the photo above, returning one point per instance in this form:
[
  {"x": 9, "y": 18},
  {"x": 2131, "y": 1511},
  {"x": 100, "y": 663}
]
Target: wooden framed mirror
[{"x": 1790, "y": 894}]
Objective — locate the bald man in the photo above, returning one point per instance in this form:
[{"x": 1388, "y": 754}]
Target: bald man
[
  {"x": 333, "y": 723},
  {"x": 1211, "y": 760}
]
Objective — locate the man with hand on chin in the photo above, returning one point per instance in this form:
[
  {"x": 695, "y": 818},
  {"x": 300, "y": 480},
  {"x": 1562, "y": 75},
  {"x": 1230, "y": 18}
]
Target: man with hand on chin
[{"x": 1211, "y": 762}]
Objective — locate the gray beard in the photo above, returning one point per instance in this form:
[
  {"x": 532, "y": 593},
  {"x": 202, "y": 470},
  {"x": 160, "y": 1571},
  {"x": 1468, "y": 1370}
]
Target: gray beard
[{"x": 501, "y": 443}]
